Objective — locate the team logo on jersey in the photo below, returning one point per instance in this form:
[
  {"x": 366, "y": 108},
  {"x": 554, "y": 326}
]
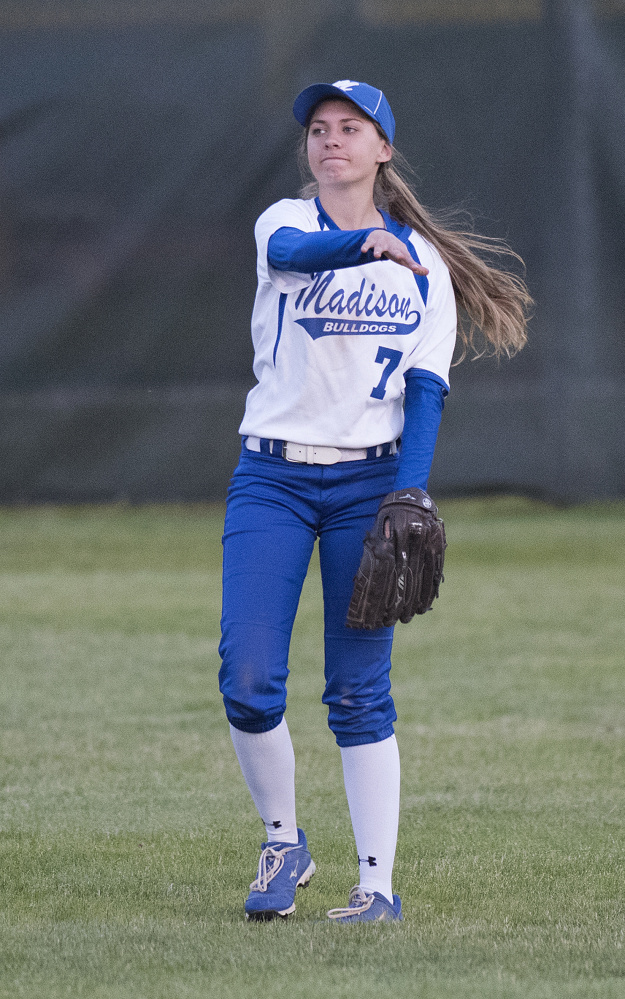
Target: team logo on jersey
[{"x": 365, "y": 312}]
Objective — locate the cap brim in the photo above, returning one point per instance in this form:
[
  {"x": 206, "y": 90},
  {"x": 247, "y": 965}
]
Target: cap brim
[{"x": 310, "y": 97}]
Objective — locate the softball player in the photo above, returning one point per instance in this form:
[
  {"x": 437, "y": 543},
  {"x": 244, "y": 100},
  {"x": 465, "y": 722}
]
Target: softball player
[{"x": 354, "y": 327}]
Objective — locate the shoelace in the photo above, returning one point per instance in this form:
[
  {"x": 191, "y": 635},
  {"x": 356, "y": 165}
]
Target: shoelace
[
  {"x": 359, "y": 901},
  {"x": 271, "y": 863}
]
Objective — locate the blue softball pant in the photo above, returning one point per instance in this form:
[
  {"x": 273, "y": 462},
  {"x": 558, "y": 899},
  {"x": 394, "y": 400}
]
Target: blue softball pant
[{"x": 275, "y": 511}]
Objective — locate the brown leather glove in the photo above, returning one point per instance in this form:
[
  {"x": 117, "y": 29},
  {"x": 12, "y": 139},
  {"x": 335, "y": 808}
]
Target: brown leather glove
[{"x": 402, "y": 563}]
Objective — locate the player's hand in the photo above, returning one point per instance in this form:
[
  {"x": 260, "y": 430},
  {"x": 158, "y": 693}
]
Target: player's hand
[{"x": 384, "y": 244}]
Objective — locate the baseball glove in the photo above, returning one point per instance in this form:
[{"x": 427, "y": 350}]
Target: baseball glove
[{"x": 402, "y": 563}]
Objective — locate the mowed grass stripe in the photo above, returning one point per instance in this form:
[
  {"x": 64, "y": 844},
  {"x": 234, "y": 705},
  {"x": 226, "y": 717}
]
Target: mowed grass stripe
[{"x": 127, "y": 838}]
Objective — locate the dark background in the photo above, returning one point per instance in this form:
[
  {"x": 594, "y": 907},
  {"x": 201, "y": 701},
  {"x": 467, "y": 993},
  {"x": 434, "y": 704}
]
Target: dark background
[{"x": 141, "y": 140}]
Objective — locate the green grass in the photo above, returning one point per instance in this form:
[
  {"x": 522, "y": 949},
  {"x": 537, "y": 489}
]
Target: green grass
[{"x": 127, "y": 838}]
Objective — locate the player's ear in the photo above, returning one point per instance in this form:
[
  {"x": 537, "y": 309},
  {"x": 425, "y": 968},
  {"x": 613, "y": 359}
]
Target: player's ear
[{"x": 386, "y": 153}]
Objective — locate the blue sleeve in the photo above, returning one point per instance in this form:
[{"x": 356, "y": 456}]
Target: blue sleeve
[
  {"x": 425, "y": 399},
  {"x": 312, "y": 252}
]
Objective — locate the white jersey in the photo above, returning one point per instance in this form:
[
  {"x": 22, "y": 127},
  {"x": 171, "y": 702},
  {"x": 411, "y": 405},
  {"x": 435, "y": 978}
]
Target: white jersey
[{"x": 332, "y": 349}]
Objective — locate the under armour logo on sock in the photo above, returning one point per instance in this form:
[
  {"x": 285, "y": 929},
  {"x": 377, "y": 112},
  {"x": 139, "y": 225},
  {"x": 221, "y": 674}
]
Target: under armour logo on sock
[
  {"x": 368, "y": 860},
  {"x": 276, "y": 825}
]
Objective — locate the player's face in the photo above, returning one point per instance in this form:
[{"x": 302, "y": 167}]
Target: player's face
[{"x": 344, "y": 147}]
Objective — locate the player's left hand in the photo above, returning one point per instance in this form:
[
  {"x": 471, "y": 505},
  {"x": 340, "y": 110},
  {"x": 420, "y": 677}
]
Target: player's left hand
[
  {"x": 385, "y": 244},
  {"x": 402, "y": 563}
]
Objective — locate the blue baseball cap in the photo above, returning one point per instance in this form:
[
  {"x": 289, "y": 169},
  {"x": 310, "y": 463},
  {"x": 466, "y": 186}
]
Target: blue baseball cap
[{"x": 368, "y": 99}]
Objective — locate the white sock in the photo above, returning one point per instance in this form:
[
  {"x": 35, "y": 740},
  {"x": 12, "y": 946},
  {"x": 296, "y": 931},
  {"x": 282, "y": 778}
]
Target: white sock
[
  {"x": 267, "y": 762},
  {"x": 371, "y": 775}
]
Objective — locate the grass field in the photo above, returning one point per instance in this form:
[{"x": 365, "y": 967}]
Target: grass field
[{"x": 127, "y": 840}]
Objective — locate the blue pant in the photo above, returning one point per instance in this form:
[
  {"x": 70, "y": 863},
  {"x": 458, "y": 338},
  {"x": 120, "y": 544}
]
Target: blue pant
[{"x": 276, "y": 509}]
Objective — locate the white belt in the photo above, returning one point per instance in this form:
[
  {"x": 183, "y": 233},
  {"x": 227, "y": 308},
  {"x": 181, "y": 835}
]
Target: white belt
[{"x": 314, "y": 454}]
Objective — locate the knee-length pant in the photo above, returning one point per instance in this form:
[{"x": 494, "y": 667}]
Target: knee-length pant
[{"x": 276, "y": 509}]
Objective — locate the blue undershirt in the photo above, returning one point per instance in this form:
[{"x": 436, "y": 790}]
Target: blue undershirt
[
  {"x": 292, "y": 249},
  {"x": 423, "y": 408},
  {"x": 314, "y": 252}
]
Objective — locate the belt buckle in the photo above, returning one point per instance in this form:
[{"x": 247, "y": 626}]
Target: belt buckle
[
  {"x": 304, "y": 452},
  {"x": 309, "y": 454},
  {"x": 294, "y": 461}
]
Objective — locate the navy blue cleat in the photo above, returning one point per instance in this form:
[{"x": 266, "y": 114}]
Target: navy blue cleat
[
  {"x": 282, "y": 868},
  {"x": 368, "y": 907}
]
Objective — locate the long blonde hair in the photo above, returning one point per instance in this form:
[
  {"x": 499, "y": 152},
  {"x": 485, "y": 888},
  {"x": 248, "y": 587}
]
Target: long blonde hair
[{"x": 490, "y": 300}]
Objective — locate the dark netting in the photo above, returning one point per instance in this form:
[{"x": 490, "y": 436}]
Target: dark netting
[{"x": 138, "y": 149}]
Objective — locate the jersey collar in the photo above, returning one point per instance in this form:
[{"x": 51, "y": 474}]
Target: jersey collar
[{"x": 397, "y": 228}]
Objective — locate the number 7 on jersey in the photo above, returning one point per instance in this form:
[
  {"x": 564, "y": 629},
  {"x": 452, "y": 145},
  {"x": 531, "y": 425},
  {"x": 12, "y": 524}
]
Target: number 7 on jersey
[{"x": 392, "y": 357}]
